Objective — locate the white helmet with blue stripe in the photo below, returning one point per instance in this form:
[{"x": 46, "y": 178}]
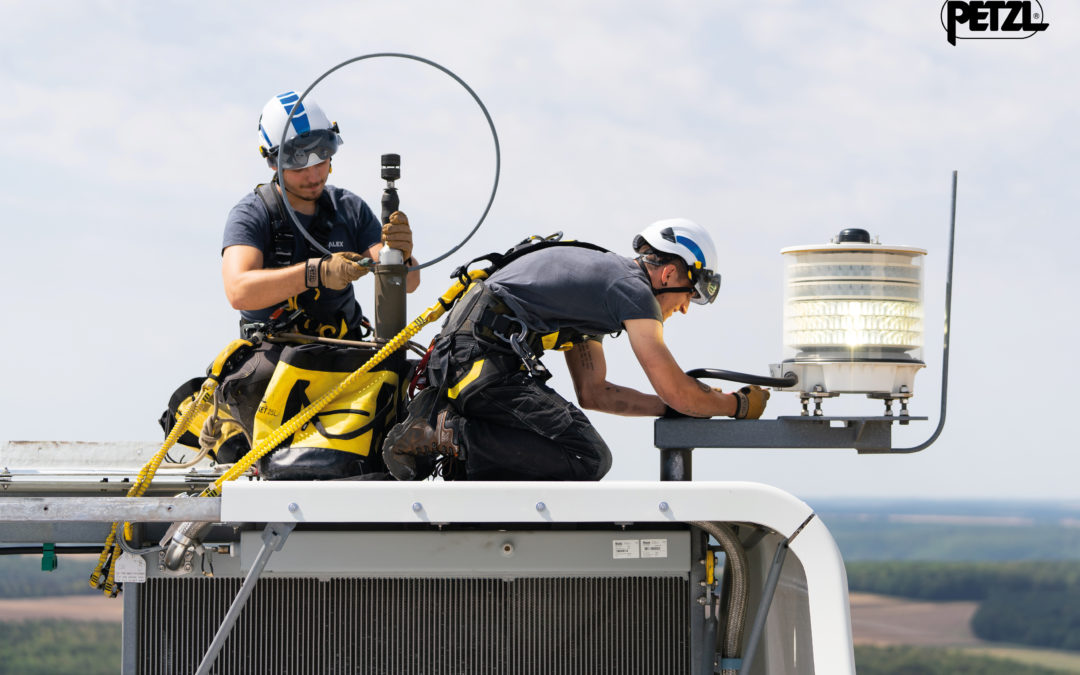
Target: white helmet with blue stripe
[
  {"x": 311, "y": 138},
  {"x": 689, "y": 241}
]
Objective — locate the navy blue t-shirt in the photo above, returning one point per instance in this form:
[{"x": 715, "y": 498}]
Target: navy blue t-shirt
[
  {"x": 353, "y": 227},
  {"x": 579, "y": 289}
]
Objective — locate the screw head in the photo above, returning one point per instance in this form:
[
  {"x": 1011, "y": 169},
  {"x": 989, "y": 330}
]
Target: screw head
[
  {"x": 417, "y": 506},
  {"x": 540, "y": 506},
  {"x": 293, "y": 507},
  {"x": 664, "y": 506}
]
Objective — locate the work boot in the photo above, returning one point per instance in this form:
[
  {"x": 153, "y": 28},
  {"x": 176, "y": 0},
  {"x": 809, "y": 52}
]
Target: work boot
[{"x": 413, "y": 446}]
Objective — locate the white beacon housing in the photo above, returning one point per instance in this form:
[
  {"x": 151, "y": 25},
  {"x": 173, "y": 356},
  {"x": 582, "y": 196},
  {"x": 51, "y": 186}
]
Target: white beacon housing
[{"x": 853, "y": 316}]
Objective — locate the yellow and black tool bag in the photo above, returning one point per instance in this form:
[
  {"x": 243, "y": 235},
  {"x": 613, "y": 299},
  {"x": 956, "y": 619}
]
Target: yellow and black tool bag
[
  {"x": 243, "y": 382},
  {"x": 344, "y": 440}
]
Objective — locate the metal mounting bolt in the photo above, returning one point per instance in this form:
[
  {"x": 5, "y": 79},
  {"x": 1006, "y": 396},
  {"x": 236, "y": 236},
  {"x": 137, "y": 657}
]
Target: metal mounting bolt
[
  {"x": 293, "y": 507},
  {"x": 541, "y": 506},
  {"x": 664, "y": 506},
  {"x": 417, "y": 506}
]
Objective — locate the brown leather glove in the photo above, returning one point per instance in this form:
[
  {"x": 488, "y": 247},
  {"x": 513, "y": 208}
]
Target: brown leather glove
[
  {"x": 397, "y": 234},
  {"x": 751, "y": 401},
  {"x": 335, "y": 271}
]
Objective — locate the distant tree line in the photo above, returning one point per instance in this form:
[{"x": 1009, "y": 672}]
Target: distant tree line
[
  {"x": 21, "y": 576},
  {"x": 878, "y": 539},
  {"x": 1032, "y": 603}
]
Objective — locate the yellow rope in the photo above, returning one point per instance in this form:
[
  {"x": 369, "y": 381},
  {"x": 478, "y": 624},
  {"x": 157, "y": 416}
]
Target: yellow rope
[
  {"x": 112, "y": 549},
  {"x": 145, "y": 476}
]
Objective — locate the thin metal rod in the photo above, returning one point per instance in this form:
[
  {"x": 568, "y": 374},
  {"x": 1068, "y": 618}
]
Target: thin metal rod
[
  {"x": 948, "y": 336},
  {"x": 129, "y": 635},
  {"x": 764, "y": 604},
  {"x": 273, "y": 537},
  {"x": 767, "y": 593}
]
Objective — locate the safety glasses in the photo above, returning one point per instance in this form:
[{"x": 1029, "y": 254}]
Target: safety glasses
[
  {"x": 706, "y": 286},
  {"x": 296, "y": 152}
]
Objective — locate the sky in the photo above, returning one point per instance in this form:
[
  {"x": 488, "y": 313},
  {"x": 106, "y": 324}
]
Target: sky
[{"x": 131, "y": 131}]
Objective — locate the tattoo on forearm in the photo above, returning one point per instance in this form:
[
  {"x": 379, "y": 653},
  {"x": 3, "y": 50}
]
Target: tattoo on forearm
[
  {"x": 703, "y": 386},
  {"x": 586, "y": 359}
]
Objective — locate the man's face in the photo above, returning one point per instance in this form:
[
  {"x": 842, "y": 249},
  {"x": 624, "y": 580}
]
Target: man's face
[
  {"x": 307, "y": 183},
  {"x": 669, "y": 277}
]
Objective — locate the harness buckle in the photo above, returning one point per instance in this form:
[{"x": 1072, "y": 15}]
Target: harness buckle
[{"x": 535, "y": 368}]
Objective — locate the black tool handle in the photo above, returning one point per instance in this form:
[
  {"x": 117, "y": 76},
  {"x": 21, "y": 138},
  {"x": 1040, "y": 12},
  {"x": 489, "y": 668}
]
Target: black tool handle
[{"x": 391, "y": 171}]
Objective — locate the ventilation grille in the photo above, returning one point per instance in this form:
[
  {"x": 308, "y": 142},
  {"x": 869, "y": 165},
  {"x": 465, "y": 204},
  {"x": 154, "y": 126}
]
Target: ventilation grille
[{"x": 525, "y": 626}]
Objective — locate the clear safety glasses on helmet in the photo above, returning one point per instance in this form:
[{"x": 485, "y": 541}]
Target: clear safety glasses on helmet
[
  {"x": 706, "y": 286},
  {"x": 297, "y": 151}
]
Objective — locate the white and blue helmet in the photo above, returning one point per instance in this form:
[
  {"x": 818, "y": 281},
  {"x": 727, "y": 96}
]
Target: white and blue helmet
[
  {"x": 692, "y": 243},
  {"x": 311, "y": 137}
]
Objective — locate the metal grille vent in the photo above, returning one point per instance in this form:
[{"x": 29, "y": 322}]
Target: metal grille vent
[{"x": 524, "y": 626}]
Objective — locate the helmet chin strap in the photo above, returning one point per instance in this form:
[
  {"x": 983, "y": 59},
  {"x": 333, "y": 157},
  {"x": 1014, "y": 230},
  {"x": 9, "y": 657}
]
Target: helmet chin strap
[{"x": 659, "y": 291}]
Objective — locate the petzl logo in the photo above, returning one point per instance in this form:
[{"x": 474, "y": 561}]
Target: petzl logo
[{"x": 991, "y": 19}]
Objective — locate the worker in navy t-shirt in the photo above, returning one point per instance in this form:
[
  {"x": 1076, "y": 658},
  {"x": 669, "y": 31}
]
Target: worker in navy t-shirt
[{"x": 266, "y": 261}]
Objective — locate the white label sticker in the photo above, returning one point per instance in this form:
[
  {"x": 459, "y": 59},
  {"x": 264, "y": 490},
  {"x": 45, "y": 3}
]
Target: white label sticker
[
  {"x": 130, "y": 569},
  {"x": 626, "y": 548},
  {"x": 654, "y": 548}
]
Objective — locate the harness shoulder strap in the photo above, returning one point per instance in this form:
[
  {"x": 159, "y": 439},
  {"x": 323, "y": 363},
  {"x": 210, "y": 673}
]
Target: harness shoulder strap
[
  {"x": 282, "y": 237},
  {"x": 530, "y": 245}
]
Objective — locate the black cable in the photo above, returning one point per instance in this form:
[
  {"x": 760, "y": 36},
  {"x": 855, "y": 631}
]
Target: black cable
[
  {"x": 790, "y": 380},
  {"x": 491, "y": 125},
  {"x": 39, "y": 550}
]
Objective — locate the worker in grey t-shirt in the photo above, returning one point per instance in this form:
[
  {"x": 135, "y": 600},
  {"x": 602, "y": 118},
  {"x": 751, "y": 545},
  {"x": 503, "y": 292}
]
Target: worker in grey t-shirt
[{"x": 488, "y": 414}]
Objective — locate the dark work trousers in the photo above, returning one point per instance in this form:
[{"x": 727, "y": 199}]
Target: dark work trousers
[{"x": 510, "y": 425}]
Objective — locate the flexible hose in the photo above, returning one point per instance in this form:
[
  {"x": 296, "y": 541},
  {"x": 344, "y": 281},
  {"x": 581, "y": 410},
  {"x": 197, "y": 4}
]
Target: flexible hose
[
  {"x": 790, "y": 380},
  {"x": 735, "y": 556}
]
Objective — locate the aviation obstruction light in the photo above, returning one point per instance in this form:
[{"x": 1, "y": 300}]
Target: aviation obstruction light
[{"x": 853, "y": 319}]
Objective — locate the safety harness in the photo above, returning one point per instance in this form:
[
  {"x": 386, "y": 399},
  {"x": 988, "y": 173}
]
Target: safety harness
[
  {"x": 283, "y": 254},
  {"x": 491, "y": 322}
]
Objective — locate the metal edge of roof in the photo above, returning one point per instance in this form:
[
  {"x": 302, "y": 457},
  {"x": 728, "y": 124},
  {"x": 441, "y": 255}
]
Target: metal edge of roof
[{"x": 517, "y": 502}]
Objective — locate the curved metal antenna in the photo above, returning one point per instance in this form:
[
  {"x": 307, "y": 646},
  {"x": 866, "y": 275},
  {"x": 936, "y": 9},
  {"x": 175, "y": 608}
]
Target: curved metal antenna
[{"x": 945, "y": 349}]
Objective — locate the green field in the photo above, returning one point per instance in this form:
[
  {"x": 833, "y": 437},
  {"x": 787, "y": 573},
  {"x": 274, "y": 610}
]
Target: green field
[
  {"x": 1058, "y": 661},
  {"x": 55, "y": 647},
  {"x": 938, "y": 661}
]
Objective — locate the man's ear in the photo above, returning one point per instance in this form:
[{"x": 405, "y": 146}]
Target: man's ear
[{"x": 668, "y": 273}]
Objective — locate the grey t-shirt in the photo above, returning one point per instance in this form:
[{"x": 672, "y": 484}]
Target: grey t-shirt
[
  {"x": 353, "y": 228},
  {"x": 566, "y": 287}
]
